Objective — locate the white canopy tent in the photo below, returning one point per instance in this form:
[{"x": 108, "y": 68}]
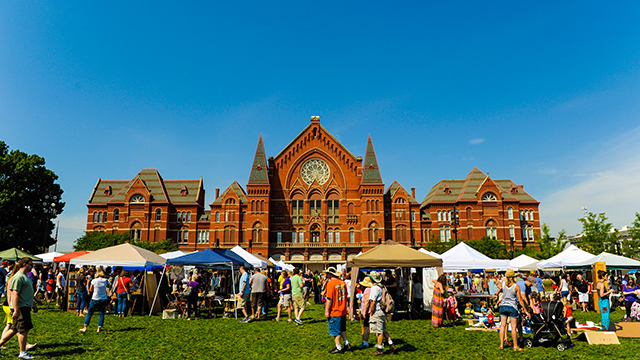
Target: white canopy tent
[
  {"x": 436, "y": 255},
  {"x": 524, "y": 263},
  {"x": 281, "y": 264},
  {"x": 173, "y": 254},
  {"x": 249, "y": 257},
  {"x": 48, "y": 257},
  {"x": 570, "y": 256},
  {"x": 463, "y": 257}
]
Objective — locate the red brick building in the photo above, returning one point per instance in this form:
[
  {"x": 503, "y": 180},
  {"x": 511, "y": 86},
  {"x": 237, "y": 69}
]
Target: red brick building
[{"x": 313, "y": 203}]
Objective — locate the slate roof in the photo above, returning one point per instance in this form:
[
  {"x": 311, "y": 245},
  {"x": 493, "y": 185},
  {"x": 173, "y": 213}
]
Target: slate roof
[
  {"x": 259, "y": 174},
  {"x": 237, "y": 189},
  {"x": 160, "y": 189},
  {"x": 371, "y": 171},
  {"x": 460, "y": 190},
  {"x": 324, "y": 132},
  {"x": 394, "y": 188}
]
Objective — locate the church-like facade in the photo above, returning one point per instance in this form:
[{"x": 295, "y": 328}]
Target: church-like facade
[{"x": 313, "y": 203}]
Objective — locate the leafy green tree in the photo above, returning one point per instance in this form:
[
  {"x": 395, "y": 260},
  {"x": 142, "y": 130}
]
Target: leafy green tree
[
  {"x": 631, "y": 247},
  {"x": 29, "y": 200},
  {"x": 438, "y": 246},
  {"x": 597, "y": 234},
  {"x": 549, "y": 247},
  {"x": 493, "y": 248},
  {"x": 100, "y": 240}
]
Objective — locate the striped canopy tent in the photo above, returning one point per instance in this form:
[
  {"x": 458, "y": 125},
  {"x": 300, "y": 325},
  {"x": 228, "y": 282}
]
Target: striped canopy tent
[{"x": 69, "y": 256}]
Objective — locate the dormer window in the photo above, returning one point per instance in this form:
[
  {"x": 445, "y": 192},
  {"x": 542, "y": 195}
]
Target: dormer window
[
  {"x": 137, "y": 199},
  {"x": 184, "y": 191},
  {"x": 447, "y": 189},
  {"x": 514, "y": 189},
  {"x": 107, "y": 191},
  {"x": 489, "y": 197}
]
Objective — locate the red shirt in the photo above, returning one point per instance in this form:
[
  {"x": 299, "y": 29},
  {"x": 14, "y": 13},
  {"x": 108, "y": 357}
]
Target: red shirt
[
  {"x": 568, "y": 311},
  {"x": 127, "y": 284},
  {"x": 337, "y": 292}
]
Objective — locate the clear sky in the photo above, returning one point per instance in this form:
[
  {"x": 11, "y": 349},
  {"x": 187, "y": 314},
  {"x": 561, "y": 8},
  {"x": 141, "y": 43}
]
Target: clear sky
[{"x": 543, "y": 93}]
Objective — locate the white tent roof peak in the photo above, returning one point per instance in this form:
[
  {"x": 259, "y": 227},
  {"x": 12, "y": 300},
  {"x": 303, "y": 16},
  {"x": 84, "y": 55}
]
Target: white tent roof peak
[
  {"x": 571, "y": 255},
  {"x": 249, "y": 257},
  {"x": 434, "y": 254},
  {"x": 524, "y": 262},
  {"x": 464, "y": 250},
  {"x": 463, "y": 257}
]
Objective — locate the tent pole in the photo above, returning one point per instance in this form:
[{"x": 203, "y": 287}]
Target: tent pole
[
  {"x": 164, "y": 269},
  {"x": 144, "y": 281},
  {"x": 354, "y": 282},
  {"x": 233, "y": 280}
]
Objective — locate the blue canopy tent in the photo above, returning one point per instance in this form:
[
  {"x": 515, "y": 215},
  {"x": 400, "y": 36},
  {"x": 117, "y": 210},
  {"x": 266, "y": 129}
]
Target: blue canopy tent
[
  {"x": 210, "y": 259},
  {"x": 231, "y": 255}
]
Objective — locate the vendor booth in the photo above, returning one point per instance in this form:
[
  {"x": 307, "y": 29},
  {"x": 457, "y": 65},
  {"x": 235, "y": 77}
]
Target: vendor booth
[
  {"x": 249, "y": 257},
  {"x": 48, "y": 257},
  {"x": 463, "y": 257},
  {"x": 613, "y": 262},
  {"x": 570, "y": 256},
  {"x": 15, "y": 254},
  {"x": 524, "y": 263},
  {"x": 393, "y": 255},
  {"x": 127, "y": 255}
]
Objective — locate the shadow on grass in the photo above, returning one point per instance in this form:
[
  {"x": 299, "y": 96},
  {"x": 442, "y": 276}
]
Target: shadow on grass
[
  {"x": 404, "y": 346},
  {"x": 129, "y": 329},
  {"x": 76, "y": 351},
  {"x": 50, "y": 346}
]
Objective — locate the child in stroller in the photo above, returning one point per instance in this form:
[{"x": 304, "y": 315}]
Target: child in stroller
[{"x": 549, "y": 327}]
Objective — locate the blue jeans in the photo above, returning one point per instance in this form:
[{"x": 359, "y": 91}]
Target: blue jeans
[
  {"x": 122, "y": 303},
  {"x": 81, "y": 300},
  {"x": 604, "y": 313},
  {"x": 94, "y": 305}
]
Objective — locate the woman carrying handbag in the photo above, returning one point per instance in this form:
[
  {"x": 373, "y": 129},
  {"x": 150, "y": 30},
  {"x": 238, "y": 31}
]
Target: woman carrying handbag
[{"x": 124, "y": 296}]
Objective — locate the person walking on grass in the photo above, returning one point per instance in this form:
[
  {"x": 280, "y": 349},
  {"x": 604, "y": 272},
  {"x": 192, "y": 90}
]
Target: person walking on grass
[
  {"x": 123, "y": 286},
  {"x": 21, "y": 302},
  {"x": 296, "y": 295},
  {"x": 285, "y": 295},
  {"x": 509, "y": 308},
  {"x": 583, "y": 292},
  {"x": 99, "y": 301},
  {"x": 60, "y": 286},
  {"x": 244, "y": 294},
  {"x": 378, "y": 319},
  {"x": 308, "y": 286},
  {"x": 365, "y": 288},
  {"x": 258, "y": 284},
  {"x": 335, "y": 310}
]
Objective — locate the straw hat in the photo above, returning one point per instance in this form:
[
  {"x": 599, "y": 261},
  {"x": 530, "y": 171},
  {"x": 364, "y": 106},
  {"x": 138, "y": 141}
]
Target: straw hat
[
  {"x": 331, "y": 270},
  {"x": 366, "y": 282},
  {"x": 375, "y": 276},
  {"x": 510, "y": 273}
]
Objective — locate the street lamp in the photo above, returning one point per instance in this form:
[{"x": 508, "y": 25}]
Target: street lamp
[
  {"x": 512, "y": 247},
  {"x": 455, "y": 222}
]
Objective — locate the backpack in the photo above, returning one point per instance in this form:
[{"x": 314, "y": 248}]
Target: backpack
[{"x": 386, "y": 303}]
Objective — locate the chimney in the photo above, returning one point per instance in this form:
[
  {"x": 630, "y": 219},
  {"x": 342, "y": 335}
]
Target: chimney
[
  {"x": 217, "y": 192},
  {"x": 413, "y": 192}
]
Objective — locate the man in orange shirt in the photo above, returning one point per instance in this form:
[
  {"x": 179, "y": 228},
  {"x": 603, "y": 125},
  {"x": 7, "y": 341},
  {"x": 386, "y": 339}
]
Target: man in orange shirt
[{"x": 335, "y": 310}]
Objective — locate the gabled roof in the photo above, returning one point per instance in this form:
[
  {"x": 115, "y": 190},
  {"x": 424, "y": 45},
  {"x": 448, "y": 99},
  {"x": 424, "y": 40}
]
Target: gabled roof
[
  {"x": 259, "y": 174},
  {"x": 237, "y": 189},
  {"x": 324, "y": 131},
  {"x": 160, "y": 189},
  {"x": 371, "y": 172},
  {"x": 394, "y": 188},
  {"x": 460, "y": 190}
]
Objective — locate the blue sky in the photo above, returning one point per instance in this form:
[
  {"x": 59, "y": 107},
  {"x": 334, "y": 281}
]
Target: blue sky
[{"x": 544, "y": 93}]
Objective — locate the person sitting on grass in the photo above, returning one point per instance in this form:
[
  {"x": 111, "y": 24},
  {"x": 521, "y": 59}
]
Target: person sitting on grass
[
  {"x": 452, "y": 305},
  {"x": 509, "y": 309},
  {"x": 489, "y": 322},
  {"x": 468, "y": 311},
  {"x": 285, "y": 295}
]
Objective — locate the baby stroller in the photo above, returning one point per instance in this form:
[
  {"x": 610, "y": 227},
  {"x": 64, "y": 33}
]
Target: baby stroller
[{"x": 549, "y": 328}]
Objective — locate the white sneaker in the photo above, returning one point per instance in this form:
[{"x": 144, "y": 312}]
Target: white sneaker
[{"x": 25, "y": 355}]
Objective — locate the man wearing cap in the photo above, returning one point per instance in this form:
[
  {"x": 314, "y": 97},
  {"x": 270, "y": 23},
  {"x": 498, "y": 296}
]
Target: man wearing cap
[
  {"x": 3, "y": 277},
  {"x": 378, "y": 320},
  {"x": 258, "y": 284},
  {"x": 336, "y": 310}
]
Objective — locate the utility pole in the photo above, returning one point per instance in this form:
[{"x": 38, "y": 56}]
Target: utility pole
[{"x": 455, "y": 222}]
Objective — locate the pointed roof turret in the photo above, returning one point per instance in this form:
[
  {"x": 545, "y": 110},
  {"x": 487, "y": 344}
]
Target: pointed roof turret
[
  {"x": 371, "y": 172},
  {"x": 259, "y": 174}
]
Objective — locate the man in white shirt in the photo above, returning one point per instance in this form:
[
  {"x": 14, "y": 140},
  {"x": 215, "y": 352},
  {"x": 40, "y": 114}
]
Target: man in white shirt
[{"x": 378, "y": 319}]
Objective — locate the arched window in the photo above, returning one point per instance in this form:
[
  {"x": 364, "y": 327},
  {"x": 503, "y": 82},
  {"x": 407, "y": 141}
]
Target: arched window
[
  {"x": 333, "y": 209},
  {"x": 350, "y": 209},
  {"x": 315, "y": 205},
  {"x": 530, "y": 215},
  {"x": 136, "y": 231},
  {"x": 445, "y": 233},
  {"x": 217, "y": 217},
  {"x": 439, "y": 216},
  {"x": 373, "y": 232},
  {"x": 401, "y": 234},
  {"x": 100, "y": 217},
  {"x": 188, "y": 216},
  {"x": 510, "y": 213},
  {"x": 137, "y": 199},
  {"x": 413, "y": 216},
  {"x": 95, "y": 217},
  {"x": 158, "y": 214},
  {"x": 492, "y": 231},
  {"x": 352, "y": 236},
  {"x": 257, "y": 233},
  {"x": 297, "y": 209},
  {"x": 512, "y": 232},
  {"x": 336, "y": 236},
  {"x": 104, "y": 217},
  {"x": 469, "y": 216},
  {"x": 449, "y": 215},
  {"x": 489, "y": 197},
  {"x": 329, "y": 236},
  {"x": 116, "y": 215}
]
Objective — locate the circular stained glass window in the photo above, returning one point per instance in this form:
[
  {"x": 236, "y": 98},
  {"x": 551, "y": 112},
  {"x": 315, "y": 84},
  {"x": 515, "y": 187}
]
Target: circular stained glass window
[{"x": 315, "y": 169}]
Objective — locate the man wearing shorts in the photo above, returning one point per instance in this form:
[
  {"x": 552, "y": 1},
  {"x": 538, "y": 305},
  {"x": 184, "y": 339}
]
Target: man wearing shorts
[
  {"x": 335, "y": 310},
  {"x": 21, "y": 303},
  {"x": 583, "y": 292},
  {"x": 258, "y": 284},
  {"x": 296, "y": 295},
  {"x": 244, "y": 294},
  {"x": 378, "y": 320}
]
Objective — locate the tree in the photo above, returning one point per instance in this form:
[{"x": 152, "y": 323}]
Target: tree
[
  {"x": 549, "y": 247},
  {"x": 29, "y": 200},
  {"x": 493, "y": 248},
  {"x": 438, "y": 246},
  {"x": 100, "y": 240},
  {"x": 597, "y": 234},
  {"x": 631, "y": 247}
]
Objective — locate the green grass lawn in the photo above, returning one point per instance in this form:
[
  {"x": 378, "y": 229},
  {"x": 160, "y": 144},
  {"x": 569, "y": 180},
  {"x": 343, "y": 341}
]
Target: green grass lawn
[{"x": 141, "y": 337}]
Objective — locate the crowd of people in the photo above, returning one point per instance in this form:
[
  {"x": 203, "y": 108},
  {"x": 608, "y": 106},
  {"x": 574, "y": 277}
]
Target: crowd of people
[{"x": 515, "y": 295}]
